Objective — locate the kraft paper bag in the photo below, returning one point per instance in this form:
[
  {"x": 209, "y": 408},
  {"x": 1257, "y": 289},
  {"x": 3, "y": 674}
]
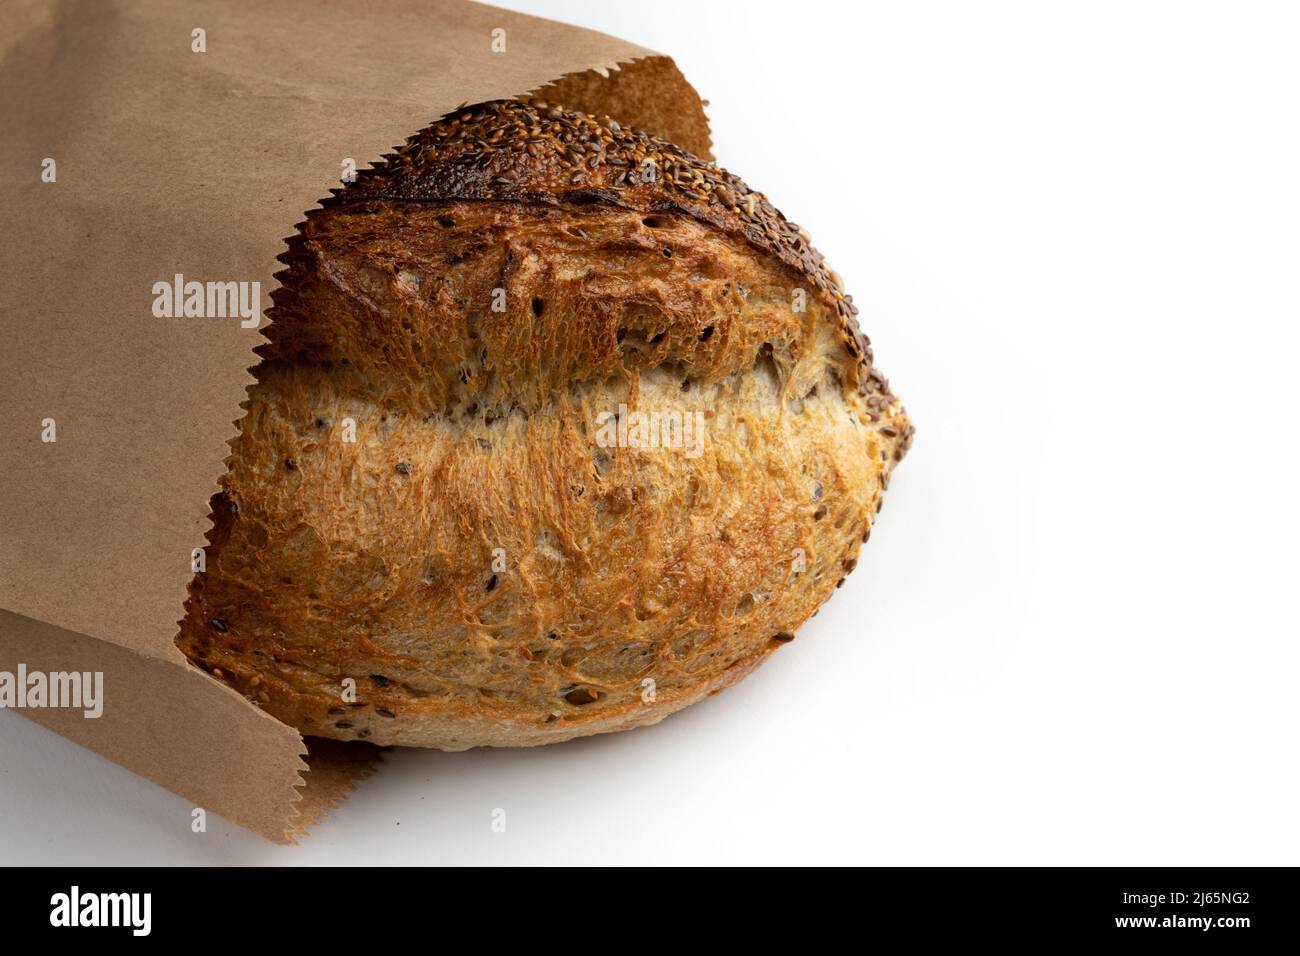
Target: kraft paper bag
[{"x": 149, "y": 140}]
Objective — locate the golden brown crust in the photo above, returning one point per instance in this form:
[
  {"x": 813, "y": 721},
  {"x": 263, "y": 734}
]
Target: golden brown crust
[
  {"x": 422, "y": 498},
  {"x": 535, "y": 153}
]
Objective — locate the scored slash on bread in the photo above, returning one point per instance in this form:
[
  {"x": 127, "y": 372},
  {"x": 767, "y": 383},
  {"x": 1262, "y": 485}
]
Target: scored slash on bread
[{"x": 475, "y": 560}]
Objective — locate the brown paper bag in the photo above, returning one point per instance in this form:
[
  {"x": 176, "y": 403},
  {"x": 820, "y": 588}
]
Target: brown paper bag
[{"x": 148, "y": 139}]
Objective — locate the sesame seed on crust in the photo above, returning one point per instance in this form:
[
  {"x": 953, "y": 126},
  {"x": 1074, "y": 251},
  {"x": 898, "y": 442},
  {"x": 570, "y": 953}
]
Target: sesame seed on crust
[{"x": 535, "y": 152}]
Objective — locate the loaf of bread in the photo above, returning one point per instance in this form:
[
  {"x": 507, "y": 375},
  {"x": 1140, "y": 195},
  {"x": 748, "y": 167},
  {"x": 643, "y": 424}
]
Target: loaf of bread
[{"x": 558, "y": 430}]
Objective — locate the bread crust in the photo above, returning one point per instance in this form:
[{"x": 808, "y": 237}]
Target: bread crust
[
  {"x": 479, "y": 560},
  {"x": 536, "y": 153}
]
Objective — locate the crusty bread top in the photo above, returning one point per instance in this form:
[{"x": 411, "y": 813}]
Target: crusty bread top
[{"x": 533, "y": 152}]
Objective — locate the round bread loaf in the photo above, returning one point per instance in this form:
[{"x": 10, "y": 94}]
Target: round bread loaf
[{"x": 558, "y": 429}]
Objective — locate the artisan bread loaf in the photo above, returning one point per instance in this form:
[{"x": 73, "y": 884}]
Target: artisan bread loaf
[{"x": 558, "y": 430}]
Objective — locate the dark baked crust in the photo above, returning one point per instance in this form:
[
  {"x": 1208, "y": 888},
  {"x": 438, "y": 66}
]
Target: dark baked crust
[{"x": 536, "y": 153}]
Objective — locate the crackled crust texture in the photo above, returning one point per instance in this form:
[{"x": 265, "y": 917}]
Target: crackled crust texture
[{"x": 421, "y": 497}]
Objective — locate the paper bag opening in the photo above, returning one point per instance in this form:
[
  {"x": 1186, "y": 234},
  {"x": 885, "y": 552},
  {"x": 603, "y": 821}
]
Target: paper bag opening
[{"x": 195, "y": 162}]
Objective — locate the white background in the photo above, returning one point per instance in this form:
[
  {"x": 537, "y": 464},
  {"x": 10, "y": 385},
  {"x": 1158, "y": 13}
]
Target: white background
[{"x": 1073, "y": 230}]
